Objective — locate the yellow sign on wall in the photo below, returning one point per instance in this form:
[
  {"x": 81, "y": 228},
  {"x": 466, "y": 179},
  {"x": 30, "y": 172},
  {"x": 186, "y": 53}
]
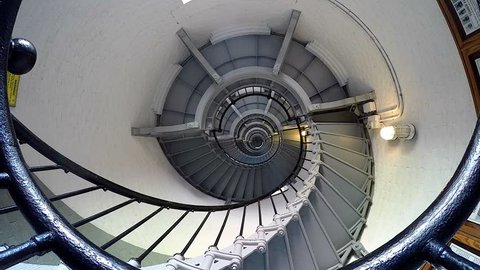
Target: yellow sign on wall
[{"x": 12, "y": 88}]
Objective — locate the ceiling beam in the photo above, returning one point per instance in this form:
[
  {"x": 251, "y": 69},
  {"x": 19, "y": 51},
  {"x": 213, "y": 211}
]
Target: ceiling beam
[
  {"x": 267, "y": 108},
  {"x": 199, "y": 56},
  {"x": 162, "y": 130},
  {"x": 286, "y": 41},
  {"x": 342, "y": 103}
]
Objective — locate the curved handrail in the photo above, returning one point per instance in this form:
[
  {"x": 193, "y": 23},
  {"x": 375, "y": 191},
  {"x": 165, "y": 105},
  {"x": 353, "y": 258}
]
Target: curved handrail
[
  {"x": 416, "y": 243},
  {"x": 28, "y": 137},
  {"x": 54, "y": 231}
]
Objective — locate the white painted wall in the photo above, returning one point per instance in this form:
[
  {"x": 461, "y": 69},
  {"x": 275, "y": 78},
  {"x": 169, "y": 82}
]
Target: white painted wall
[
  {"x": 409, "y": 175},
  {"x": 26, "y": 266},
  {"x": 99, "y": 63}
]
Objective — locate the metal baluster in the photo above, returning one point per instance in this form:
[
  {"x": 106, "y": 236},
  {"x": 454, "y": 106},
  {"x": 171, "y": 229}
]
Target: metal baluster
[
  {"x": 440, "y": 254},
  {"x": 273, "y": 205},
  {"x": 283, "y": 194},
  {"x": 46, "y": 168},
  {"x": 195, "y": 235},
  {"x": 140, "y": 258},
  {"x": 131, "y": 229},
  {"x": 36, "y": 246},
  {"x": 221, "y": 229},
  {"x": 101, "y": 214},
  {"x": 259, "y": 214},
  {"x": 291, "y": 185},
  {"x": 242, "y": 225},
  {"x": 13, "y": 208}
]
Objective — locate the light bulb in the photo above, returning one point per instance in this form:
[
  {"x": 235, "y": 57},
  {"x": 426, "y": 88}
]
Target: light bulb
[
  {"x": 388, "y": 133},
  {"x": 401, "y": 131},
  {"x": 304, "y": 133}
]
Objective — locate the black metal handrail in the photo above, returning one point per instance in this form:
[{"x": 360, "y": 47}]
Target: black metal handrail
[
  {"x": 55, "y": 233},
  {"x": 423, "y": 240},
  {"x": 28, "y": 137}
]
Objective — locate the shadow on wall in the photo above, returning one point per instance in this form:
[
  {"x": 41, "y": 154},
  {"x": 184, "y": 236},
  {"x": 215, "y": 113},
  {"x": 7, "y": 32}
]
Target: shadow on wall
[{"x": 15, "y": 229}]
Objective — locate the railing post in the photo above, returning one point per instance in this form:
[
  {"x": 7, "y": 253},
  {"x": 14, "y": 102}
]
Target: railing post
[
  {"x": 440, "y": 254},
  {"x": 38, "y": 245}
]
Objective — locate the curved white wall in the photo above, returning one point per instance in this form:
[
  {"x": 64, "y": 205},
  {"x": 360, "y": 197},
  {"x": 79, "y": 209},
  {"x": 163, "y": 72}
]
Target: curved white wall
[
  {"x": 409, "y": 175},
  {"x": 99, "y": 63}
]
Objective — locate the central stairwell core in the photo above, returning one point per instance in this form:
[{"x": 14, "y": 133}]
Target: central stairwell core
[
  {"x": 263, "y": 122},
  {"x": 255, "y": 117},
  {"x": 230, "y": 113},
  {"x": 254, "y": 145},
  {"x": 232, "y": 119}
]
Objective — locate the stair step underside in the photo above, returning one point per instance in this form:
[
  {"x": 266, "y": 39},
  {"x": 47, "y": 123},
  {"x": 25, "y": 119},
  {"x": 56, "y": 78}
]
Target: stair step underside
[{"x": 323, "y": 218}]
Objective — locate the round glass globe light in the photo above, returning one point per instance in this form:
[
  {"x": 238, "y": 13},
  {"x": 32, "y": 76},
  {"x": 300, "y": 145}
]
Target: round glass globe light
[{"x": 388, "y": 133}]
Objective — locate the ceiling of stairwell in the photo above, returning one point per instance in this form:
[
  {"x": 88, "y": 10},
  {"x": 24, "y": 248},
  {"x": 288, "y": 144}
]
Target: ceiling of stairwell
[{"x": 100, "y": 64}]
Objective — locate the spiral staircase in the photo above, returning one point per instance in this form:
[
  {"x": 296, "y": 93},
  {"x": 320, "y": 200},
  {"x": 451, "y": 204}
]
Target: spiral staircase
[
  {"x": 261, "y": 121},
  {"x": 240, "y": 137}
]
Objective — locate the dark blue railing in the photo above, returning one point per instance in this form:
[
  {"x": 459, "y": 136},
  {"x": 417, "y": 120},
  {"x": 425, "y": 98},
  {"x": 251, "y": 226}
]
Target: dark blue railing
[{"x": 423, "y": 240}]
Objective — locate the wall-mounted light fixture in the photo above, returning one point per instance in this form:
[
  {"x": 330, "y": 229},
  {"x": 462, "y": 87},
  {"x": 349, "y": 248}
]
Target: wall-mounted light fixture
[
  {"x": 403, "y": 132},
  {"x": 304, "y": 133}
]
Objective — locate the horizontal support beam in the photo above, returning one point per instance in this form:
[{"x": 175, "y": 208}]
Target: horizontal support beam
[
  {"x": 36, "y": 246},
  {"x": 343, "y": 103},
  {"x": 198, "y": 56},
  {"x": 159, "y": 131},
  {"x": 440, "y": 254},
  {"x": 236, "y": 111},
  {"x": 267, "y": 108},
  {"x": 286, "y": 41}
]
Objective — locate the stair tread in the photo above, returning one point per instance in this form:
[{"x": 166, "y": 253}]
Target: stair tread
[
  {"x": 345, "y": 210},
  {"x": 241, "y": 185},
  {"x": 222, "y": 184},
  {"x": 232, "y": 183},
  {"x": 357, "y": 179},
  {"x": 354, "y": 143},
  {"x": 322, "y": 246},
  {"x": 209, "y": 183},
  {"x": 350, "y": 129},
  {"x": 335, "y": 229},
  {"x": 353, "y": 194},
  {"x": 206, "y": 171},
  {"x": 299, "y": 248},
  {"x": 279, "y": 253},
  {"x": 196, "y": 165}
]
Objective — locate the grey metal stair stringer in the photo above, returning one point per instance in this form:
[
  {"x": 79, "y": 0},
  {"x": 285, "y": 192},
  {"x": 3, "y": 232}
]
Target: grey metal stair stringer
[{"x": 273, "y": 243}]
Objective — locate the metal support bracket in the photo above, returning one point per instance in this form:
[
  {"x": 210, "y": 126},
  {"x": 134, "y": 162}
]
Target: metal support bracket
[
  {"x": 286, "y": 41},
  {"x": 198, "y": 55},
  {"x": 343, "y": 103},
  {"x": 160, "y": 130}
]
